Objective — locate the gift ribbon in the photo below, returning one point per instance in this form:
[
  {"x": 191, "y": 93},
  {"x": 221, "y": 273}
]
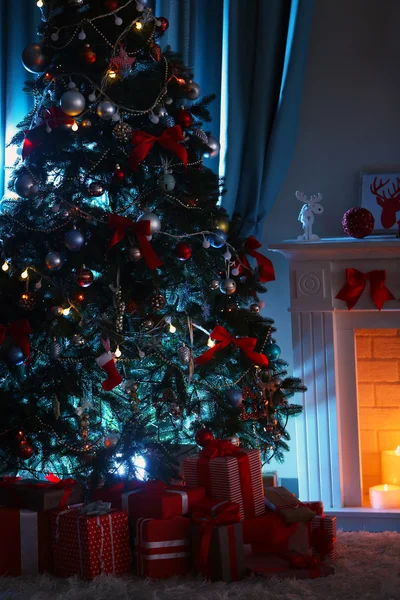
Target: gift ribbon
[
  {"x": 120, "y": 225},
  {"x": 82, "y": 519},
  {"x": 17, "y": 484},
  {"x": 355, "y": 285},
  {"x": 96, "y": 509},
  {"x": 19, "y": 331},
  {"x": 140, "y": 556},
  {"x": 320, "y": 541},
  {"x": 246, "y": 344},
  {"x": 170, "y": 140},
  {"x": 265, "y": 266}
]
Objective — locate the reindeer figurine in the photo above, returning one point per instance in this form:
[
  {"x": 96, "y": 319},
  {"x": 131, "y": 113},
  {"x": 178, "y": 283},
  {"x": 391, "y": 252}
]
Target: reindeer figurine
[{"x": 311, "y": 207}]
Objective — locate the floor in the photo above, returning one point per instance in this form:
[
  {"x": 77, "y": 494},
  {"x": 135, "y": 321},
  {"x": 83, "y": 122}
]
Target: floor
[{"x": 368, "y": 568}]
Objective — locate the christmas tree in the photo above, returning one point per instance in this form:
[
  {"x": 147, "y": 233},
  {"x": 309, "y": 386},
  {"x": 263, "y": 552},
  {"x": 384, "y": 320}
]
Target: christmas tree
[{"x": 131, "y": 320}]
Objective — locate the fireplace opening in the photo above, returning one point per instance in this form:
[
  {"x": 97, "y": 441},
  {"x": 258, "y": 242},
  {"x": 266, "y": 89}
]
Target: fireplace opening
[{"x": 378, "y": 395}]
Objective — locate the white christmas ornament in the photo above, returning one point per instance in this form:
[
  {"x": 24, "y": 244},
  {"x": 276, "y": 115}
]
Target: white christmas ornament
[{"x": 311, "y": 207}]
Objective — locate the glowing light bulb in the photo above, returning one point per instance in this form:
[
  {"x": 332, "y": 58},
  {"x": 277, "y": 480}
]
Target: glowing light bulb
[
  {"x": 39, "y": 3},
  {"x": 75, "y": 126},
  {"x": 172, "y": 329},
  {"x": 66, "y": 311},
  {"x": 210, "y": 343},
  {"x": 139, "y": 25},
  {"x": 111, "y": 74},
  {"x": 5, "y": 266},
  {"x": 25, "y": 274},
  {"x": 118, "y": 353},
  {"x": 24, "y": 296}
]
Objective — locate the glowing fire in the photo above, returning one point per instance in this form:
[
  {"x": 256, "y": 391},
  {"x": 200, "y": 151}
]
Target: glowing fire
[{"x": 397, "y": 451}]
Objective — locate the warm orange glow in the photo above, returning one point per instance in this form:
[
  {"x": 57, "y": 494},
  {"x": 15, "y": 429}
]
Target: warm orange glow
[
  {"x": 385, "y": 487},
  {"x": 80, "y": 297},
  {"x": 180, "y": 80},
  {"x": 24, "y": 296},
  {"x": 397, "y": 451},
  {"x": 111, "y": 74}
]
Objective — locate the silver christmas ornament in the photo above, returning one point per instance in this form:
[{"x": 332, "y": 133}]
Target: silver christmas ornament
[
  {"x": 234, "y": 397},
  {"x": 134, "y": 254},
  {"x": 74, "y": 240},
  {"x": 55, "y": 350},
  {"x": 166, "y": 181},
  {"x": 153, "y": 118},
  {"x": 35, "y": 59},
  {"x": 254, "y": 308},
  {"x": 168, "y": 100},
  {"x": 201, "y": 135},
  {"x": 214, "y": 285},
  {"x": 78, "y": 340},
  {"x": 112, "y": 439},
  {"x": 193, "y": 90},
  {"x": 72, "y": 103},
  {"x": 184, "y": 354},
  {"x": 213, "y": 147},
  {"x": 161, "y": 111},
  {"x": 106, "y": 110},
  {"x": 155, "y": 223},
  {"x": 233, "y": 439},
  {"x": 15, "y": 356},
  {"x": 25, "y": 186},
  {"x": 168, "y": 121},
  {"x": 54, "y": 261},
  {"x": 228, "y": 286},
  {"x": 122, "y": 132},
  {"x": 96, "y": 189}
]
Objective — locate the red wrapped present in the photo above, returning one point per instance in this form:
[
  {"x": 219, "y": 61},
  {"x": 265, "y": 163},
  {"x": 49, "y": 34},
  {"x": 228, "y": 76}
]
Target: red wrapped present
[
  {"x": 323, "y": 537},
  {"x": 229, "y": 473},
  {"x": 280, "y": 500},
  {"x": 270, "y": 479},
  {"x": 90, "y": 541},
  {"x": 25, "y": 547},
  {"x": 163, "y": 547},
  {"x": 293, "y": 566},
  {"x": 317, "y": 506},
  {"x": 218, "y": 541},
  {"x": 113, "y": 494},
  {"x": 268, "y": 528},
  {"x": 298, "y": 541},
  {"x": 35, "y": 495},
  {"x": 154, "y": 500}
]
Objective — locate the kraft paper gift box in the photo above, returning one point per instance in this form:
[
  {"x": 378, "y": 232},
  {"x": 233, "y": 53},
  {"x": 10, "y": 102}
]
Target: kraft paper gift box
[
  {"x": 156, "y": 501},
  {"x": 229, "y": 473},
  {"x": 283, "y": 502},
  {"x": 35, "y": 495},
  {"x": 91, "y": 541},
  {"x": 323, "y": 537},
  {"x": 25, "y": 542},
  {"x": 163, "y": 547}
]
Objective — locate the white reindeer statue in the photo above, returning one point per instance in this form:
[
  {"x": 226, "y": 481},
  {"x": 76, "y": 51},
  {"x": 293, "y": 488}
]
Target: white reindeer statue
[{"x": 311, "y": 207}]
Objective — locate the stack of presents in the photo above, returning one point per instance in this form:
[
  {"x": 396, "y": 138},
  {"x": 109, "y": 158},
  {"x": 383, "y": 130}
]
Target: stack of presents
[{"x": 225, "y": 522}]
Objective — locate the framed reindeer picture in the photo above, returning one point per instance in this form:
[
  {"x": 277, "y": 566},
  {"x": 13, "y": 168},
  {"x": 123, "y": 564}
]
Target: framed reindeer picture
[{"x": 380, "y": 194}]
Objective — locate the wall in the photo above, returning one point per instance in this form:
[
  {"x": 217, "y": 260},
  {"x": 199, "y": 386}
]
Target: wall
[{"x": 350, "y": 121}]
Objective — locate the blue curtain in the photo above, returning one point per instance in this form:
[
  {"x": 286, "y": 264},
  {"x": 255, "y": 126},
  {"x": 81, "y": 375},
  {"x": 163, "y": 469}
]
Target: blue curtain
[{"x": 17, "y": 28}]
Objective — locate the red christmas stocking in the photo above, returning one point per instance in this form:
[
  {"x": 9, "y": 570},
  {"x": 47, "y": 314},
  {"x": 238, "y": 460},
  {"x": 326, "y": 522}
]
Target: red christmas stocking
[{"x": 106, "y": 362}]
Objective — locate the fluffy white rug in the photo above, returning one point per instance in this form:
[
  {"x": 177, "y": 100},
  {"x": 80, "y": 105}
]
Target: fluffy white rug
[{"x": 368, "y": 568}]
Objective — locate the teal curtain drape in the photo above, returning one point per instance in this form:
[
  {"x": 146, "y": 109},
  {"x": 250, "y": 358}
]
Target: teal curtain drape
[{"x": 18, "y": 24}]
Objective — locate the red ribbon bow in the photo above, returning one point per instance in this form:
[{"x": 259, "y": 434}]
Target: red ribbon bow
[
  {"x": 53, "y": 117},
  {"x": 265, "y": 266},
  {"x": 19, "y": 331},
  {"x": 142, "y": 230},
  {"x": 224, "y": 338},
  {"x": 144, "y": 142},
  {"x": 356, "y": 282}
]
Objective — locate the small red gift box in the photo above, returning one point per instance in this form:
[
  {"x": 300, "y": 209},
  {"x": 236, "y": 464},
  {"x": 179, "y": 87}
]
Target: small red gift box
[
  {"x": 323, "y": 537},
  {"x": 113, "y": 493},
  {"x": 268, "y": 528},
  {"x": 298, "y": 541},
  {"x": 163, "y": 547},
  {"x": 154, "y": 500},
  {"x": 316, "y": 506},
  {"x": 214, "y": 507},
  {"x": 25, "y": 547},
  {"x": 88, "y": 542},
  {"x": 287, "y": 566},
  {"x": 35, "y": 495},
  {"x": 229, "y": 473}
]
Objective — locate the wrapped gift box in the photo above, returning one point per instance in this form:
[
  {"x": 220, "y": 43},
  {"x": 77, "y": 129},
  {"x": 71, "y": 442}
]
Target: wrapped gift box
[
  {"x": 113, "y": 494},
  {"x": 280, "y": 500},
  {"x": 229, "y": 473},
  {"x": 299, "y": 541},
  {"x": 39, "y": 496},
  {"x": 25, "y": 547},
  {"x": 88, "y": 544},
  {"x": 270, "y": 479},
  {"x": 268, "y": 528},
  {"x": 214, "y": 508},
  {"x": 163, "y": 547},
  {"x": 285, "y": 567},
  {"x": 219, "y": 551},
  {"x": 160, "y": 502},
  {"x": 323, "y": 537},
  {"x": 317, "y": 506}
]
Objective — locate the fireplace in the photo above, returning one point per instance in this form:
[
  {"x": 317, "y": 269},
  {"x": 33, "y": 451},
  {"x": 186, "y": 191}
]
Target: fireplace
[{"x": 348, "y": 360}]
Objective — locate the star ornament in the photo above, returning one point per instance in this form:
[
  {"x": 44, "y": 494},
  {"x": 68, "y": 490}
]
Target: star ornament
[{"x": 122, "y": 62}]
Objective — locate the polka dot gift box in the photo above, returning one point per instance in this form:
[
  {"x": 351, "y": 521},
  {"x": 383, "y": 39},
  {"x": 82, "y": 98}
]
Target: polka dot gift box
[{"x": 91, "y": 540}]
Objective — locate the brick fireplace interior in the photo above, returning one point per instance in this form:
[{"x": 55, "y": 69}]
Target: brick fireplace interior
[{"x": 378, "y": 390}]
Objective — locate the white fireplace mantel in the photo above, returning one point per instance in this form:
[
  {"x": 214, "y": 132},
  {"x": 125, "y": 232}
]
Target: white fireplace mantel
[{"x": 328, "y": 449}]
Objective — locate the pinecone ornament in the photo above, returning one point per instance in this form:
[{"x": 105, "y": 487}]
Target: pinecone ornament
[
  {"x": 184, "y": 354},
  {"x": 122, "y": 132},
  {"x": 201, "y": 135},
  {"x": 158, "y": 302}
]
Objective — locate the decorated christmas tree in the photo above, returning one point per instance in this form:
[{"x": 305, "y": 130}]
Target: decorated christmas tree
[{"x": 131, "y": 313}]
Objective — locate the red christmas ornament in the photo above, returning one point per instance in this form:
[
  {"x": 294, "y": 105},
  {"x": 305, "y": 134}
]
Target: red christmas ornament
[
  {"x": 155, "y": 52},
  {"x": 184, "y": 118},
  {"x": 358, "y": 222},
  {"x": 25, "y": 451},
  {"x": 183, "y": 251},
  {"x": 84, "y": 277},
  {"x": 164, "y": 24},
  {"x": 88, "y": 55},
  {"x": 79, "y": 297},
  {"x": 111, "y": 4},
  {"x": 119, "y": 175},
  {"x": 203, "y": 437}
]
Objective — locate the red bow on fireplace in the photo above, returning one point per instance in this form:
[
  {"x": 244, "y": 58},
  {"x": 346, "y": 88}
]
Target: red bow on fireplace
[{"x": 356, "y": 282}]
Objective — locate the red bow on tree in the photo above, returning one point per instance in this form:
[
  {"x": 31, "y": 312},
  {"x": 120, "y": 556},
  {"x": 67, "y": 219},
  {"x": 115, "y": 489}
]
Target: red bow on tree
[
  {"x": 224, "y": 338},
  {"x": 265, "y": 266},
  {"x": 144, "y": 142},
  {"x": 141, "y": 230},
  {"x": 356, "y": 282},
  {"x": 53, "y": 117},
  {"x": 19, "y": 331}
]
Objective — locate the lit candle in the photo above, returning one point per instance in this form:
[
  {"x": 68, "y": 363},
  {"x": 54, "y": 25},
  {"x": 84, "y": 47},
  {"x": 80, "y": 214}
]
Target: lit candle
[
  {"x": 391, "y": 466},
  {"x": 385, "y": 496}
]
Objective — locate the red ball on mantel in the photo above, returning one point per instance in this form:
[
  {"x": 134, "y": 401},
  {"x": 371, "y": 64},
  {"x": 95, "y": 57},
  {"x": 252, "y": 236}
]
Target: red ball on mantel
[
  {"x": 184, "y": 118},
  {"x": 183, "y": 251},
  {"x": 358, "y": 222},
  {"x": 164, "y": 24},
  {"x": 203, "y": 437}
]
